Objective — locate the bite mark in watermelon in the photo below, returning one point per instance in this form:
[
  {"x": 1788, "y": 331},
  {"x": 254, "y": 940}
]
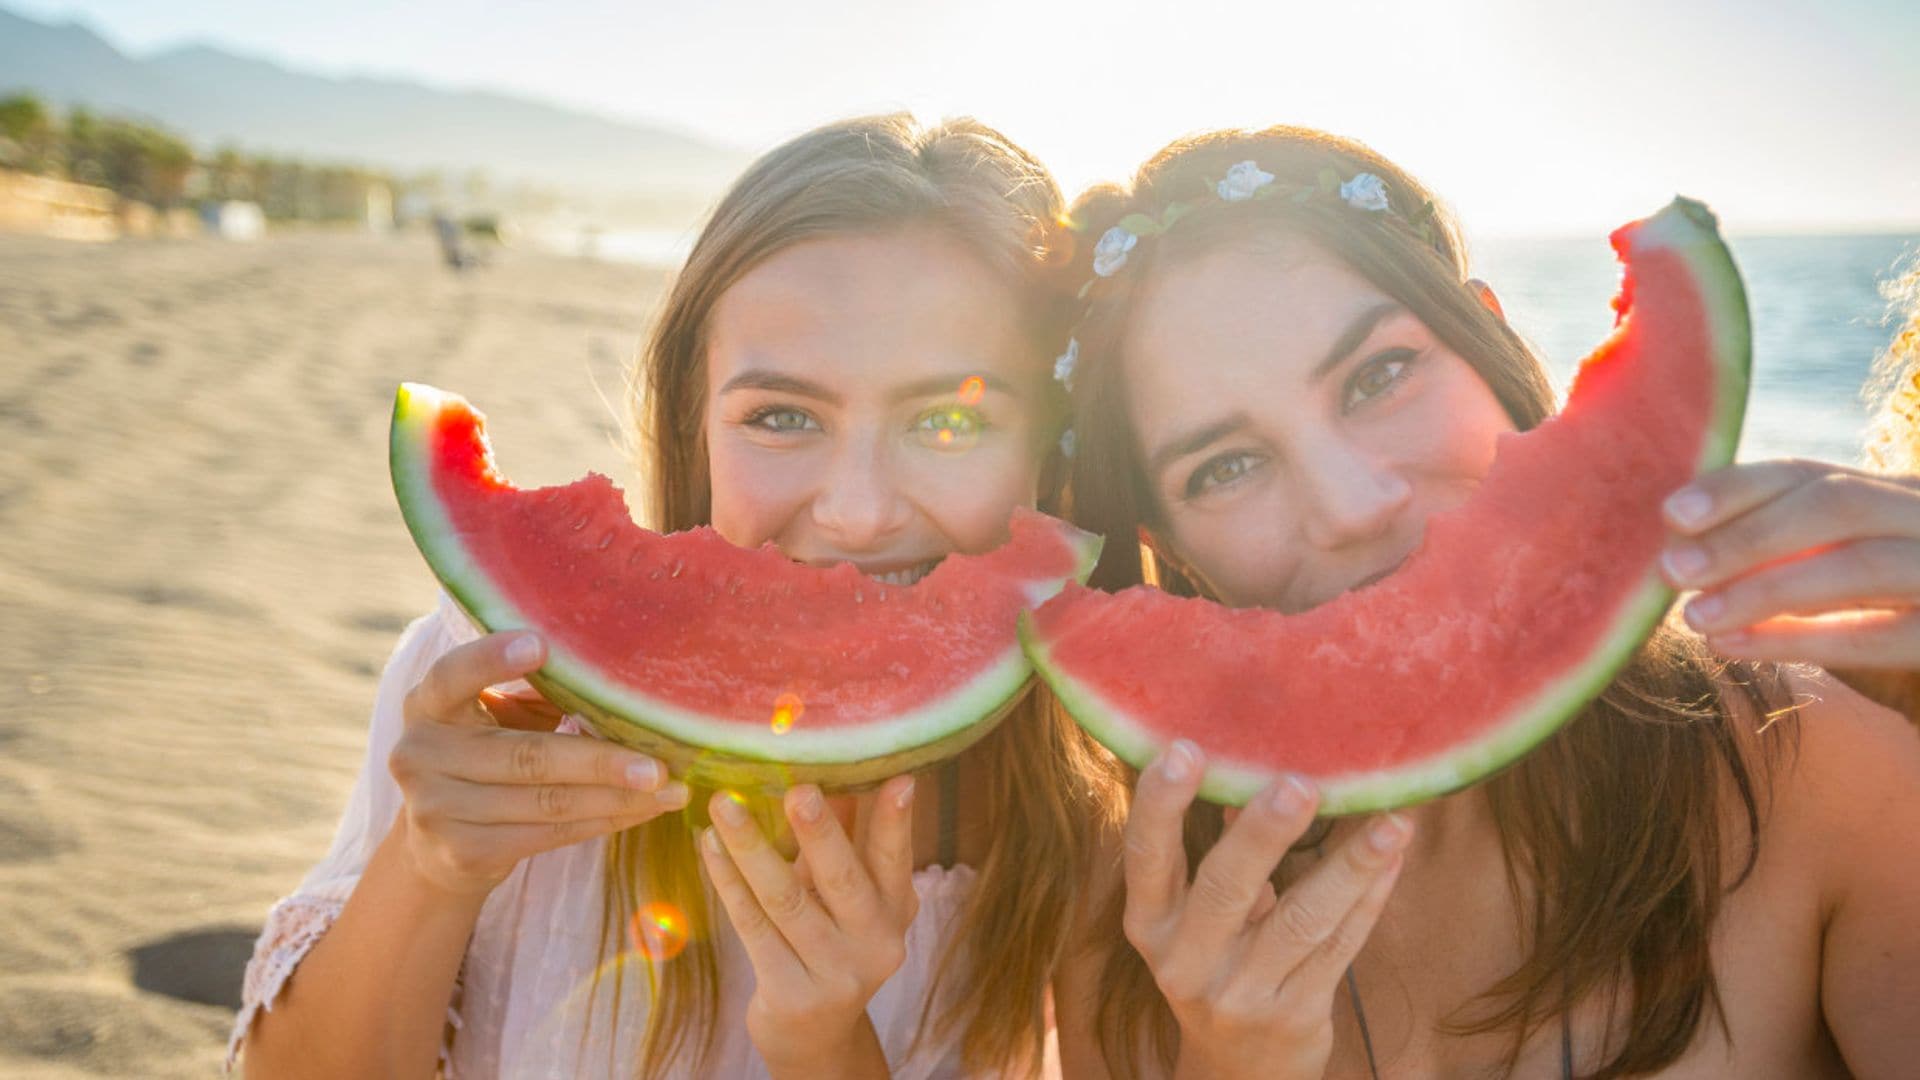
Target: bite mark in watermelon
[
  {"x": 1515, "y": 611},
  {"x": 739, "y": 667}
]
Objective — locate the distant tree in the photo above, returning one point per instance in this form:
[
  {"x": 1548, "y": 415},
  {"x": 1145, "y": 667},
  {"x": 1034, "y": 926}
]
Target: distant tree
[{"x": 27, "y": 135}]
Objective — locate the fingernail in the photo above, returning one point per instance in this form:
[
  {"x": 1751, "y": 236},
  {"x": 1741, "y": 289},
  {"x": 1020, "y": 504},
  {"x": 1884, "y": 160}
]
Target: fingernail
[
  {"x": 673, "y": 796},
  {"x": 1683, "y": 563},
  {"x": 1704, "y": 609},
  {"x": 1387, "y": 834},
  {"x": 711, "y": 837},
  {"x": 1178, "y": 763},
  {"x": 523, "y": 651},
  {"x": 1688, "y": 506},
  {"x": 905, "y": 798},
  {"x": 809, "y": 806},
  {"x": 1290, "y": 797},
  {"x": 645, "y": 774},
  {"x": 730, "y": 808}
]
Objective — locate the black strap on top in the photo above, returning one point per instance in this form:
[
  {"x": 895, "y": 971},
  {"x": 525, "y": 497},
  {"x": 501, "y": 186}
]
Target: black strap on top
[
  {"x": 1366, "y": 1037},
  {"x": 949, "y": 846}
]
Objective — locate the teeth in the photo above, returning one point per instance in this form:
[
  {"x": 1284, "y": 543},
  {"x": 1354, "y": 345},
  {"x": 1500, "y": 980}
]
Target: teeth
[{"x": 905, "y": 577}]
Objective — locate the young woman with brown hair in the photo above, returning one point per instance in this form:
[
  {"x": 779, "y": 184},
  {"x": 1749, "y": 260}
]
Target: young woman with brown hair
[
  {"x": 852, "y": 366},
  {"x": 1708, "y": 873}
]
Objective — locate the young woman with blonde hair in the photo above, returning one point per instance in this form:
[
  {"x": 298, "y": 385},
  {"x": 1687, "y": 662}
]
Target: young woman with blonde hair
[
  {"x": 1710, "y": 872},
  {"x": 803, "y": 387}
]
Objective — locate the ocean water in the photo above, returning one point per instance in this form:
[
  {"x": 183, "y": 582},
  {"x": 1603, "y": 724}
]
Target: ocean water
[
  {"x": 1819, "y": 319},
  {"x": 1819, "y": 322}
]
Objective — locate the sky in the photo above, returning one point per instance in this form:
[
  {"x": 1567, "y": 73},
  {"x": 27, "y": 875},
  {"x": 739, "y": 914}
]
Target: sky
[{"x": 1527, "y": 116}]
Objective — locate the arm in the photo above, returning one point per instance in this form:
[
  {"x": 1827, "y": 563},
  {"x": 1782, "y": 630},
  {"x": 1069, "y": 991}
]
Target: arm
[{"x": 481, "y": 782}]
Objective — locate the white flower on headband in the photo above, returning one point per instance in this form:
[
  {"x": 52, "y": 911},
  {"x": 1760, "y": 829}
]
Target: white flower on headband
[
  {"x": 1242, "y": 181},
  {"x": 1063, "y": 364},
  {"x": 1110, "y": 253},
  {"x": 1365, "y": 192},
  {"x": 1066, "y": 443}
]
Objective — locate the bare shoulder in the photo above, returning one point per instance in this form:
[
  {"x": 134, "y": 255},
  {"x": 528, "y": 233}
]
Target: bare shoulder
[
  {"x": 1845, "y": 816},
  {"x": 1850, "y": 788}
]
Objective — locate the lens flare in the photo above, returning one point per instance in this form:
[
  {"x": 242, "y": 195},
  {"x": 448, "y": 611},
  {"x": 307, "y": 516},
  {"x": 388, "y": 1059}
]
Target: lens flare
[
  {"x": 786, "y": 709},
  {"x": 945, "y": 436},
  {"x": 658, "y": 930},
  {"x": 972, "y": 388}
]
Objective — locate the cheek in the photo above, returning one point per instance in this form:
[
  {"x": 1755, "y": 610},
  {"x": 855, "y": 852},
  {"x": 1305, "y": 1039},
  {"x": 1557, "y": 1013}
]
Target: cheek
[
  {"x": 969, "y": 497},
  {"x": 754, "y": 493},
  {"x": 1247, "y": 554}
]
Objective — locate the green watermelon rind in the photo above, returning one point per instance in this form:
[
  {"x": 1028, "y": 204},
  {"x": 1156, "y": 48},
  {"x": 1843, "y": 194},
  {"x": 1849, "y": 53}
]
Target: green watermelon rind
[
  {"x": 707, "y": 751},
  {"x": 1685, "y": 227}
]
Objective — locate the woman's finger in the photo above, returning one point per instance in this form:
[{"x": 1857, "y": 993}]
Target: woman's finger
[
  {"x": 1881, "y": 641},
  {"x": 889, "y": 848},
  {"x": 1312, "y": 983},
  {"x": 791, "y": 907},
  {"x": 1833, "y": 509},
  {"x": 1155, "y": 866},
  {"x": 1314, "y": 912},
  {"x": 501, "y": 756},
  {"x": 1881, "y": 573},
  {"x": 1233, "y": 876},
  {"x": 497, "y": 804},
  {"x": 449, "y": 691},
  {"x": 1724, "y": 494},
  {"x": 834, "y": 871},
  {"x": 774, "y": 961}
]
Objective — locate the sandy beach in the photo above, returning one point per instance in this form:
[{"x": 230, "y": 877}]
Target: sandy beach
[{"x": 202, "y": 570}]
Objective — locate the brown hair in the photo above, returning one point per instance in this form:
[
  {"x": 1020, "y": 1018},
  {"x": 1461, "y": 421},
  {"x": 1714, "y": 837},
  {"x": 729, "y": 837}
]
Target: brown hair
[
  {"x": 1047, "y": 791},
  {"x": 1607, "y": 908}
]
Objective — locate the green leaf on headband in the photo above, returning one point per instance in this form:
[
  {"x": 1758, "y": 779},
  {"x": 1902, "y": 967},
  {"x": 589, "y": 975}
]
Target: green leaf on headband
[
  {"x": 1304, "y": 195},
  {"x": 1085, "y": 289},
  {"x": 1174, "y": 212},
  {"x": 1329, "y": 181},
  {"x": 1140, "y": 225}
]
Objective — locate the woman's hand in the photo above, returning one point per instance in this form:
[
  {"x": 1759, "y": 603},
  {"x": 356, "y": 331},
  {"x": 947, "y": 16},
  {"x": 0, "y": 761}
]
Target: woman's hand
[
  {"x": 823, "y": 935},
  {"x": 1772, "y": 543},
  {"x": 1251, "y": 977},
  {"x": 487, "y": 782}
]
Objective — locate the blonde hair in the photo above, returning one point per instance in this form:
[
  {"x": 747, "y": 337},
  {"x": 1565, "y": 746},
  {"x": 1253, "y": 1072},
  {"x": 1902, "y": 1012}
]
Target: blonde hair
[
  {"x": 1893, "y": 434},
  {"x": 1662, "y": 740},
  {"x": 1048, "y": 787}
]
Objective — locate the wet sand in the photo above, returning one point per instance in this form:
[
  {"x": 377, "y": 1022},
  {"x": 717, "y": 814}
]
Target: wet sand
[{"x": 202, "y": 570}]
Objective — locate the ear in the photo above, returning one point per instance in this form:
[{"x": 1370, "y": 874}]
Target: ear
[{"x": 1484, "y": 292}]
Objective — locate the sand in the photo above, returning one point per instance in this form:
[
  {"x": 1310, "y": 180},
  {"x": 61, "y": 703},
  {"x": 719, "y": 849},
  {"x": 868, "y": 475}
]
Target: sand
[{"x": 202, "y": 570}]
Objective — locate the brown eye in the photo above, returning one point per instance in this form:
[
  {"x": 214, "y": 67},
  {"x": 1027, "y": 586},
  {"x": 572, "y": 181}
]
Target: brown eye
[
  {"x": 1218, "y": 471},
  {"x": 1378, "y": 376}
]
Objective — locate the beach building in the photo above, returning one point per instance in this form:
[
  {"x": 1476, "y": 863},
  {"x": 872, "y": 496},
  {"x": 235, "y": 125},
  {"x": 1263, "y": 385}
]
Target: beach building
[{"x": 234, "y": 219}]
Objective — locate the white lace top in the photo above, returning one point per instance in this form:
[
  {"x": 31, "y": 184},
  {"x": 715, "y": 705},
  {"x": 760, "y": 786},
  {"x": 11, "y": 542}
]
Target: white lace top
[{"x": 521, "y": 1003}]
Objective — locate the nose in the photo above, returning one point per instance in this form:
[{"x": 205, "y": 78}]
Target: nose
[
  {"x": 859, "y": 502},
  {"x": 1351, "y": 497}
]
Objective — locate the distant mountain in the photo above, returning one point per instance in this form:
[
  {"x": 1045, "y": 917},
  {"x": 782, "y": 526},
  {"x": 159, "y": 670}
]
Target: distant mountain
[{"x": 214, "y": 97}]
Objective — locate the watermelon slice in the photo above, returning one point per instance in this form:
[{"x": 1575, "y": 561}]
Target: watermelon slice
[
  {"x": 741, "y": 668},
  {"x": 1515, "y": 611}
]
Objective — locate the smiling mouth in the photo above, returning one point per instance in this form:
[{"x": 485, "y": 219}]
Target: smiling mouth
[
  {"x": 906, "y": 575},
  {"x": 1377, "y": 578}
]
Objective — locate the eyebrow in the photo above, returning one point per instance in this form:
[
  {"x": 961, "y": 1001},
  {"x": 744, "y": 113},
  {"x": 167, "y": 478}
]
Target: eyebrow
[
  {"x": 1350, "y": 338},
  {"x": 928, "y": 387},
  {"x": 1196, "y": 439},
  {"x": 1199, "y": 438}
]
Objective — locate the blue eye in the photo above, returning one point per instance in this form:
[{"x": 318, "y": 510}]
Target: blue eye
[
  {"x": 949, "y": 427},
  {"x": 1379, "y": 376},
  {"x": 780, "y": 419}
]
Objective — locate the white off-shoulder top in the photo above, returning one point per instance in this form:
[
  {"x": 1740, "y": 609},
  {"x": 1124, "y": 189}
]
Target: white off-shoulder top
[{"x": 522, "y": 999}]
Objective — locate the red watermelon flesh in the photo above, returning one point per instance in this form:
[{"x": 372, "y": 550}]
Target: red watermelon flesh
[
  {"x": 740, "y": 666},
  {"x": 1514, "y": 612}
]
